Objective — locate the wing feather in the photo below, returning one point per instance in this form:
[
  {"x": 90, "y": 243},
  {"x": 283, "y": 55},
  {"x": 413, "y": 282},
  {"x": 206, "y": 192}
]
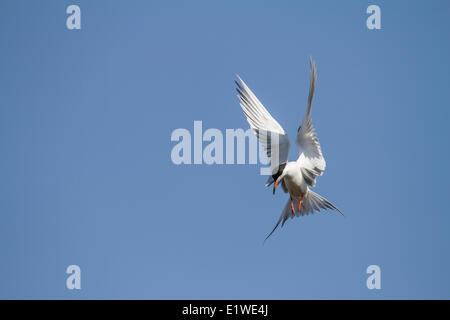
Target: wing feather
[
  {"x": 269, "y": 132},
  {"x": 308, "y": 145}
]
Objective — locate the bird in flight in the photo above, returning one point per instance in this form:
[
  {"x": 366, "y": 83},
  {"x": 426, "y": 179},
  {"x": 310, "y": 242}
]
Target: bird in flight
[{"x": 295, "y": 177}]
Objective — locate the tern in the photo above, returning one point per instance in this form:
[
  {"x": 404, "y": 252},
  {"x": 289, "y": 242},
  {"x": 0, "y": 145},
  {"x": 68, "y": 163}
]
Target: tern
[{"x": 295, "y": 177}]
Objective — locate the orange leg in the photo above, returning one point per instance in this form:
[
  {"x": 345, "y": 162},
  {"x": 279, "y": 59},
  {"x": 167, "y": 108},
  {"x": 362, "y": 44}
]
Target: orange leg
[
  {"x": 300, "y": 203},
  {"x": 292, "y": 207}
]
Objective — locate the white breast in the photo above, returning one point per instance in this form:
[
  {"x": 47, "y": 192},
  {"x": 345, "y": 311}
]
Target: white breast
[{"x": 294, "y": 180}]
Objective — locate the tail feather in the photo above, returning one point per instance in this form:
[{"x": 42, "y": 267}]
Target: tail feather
[
  {"x": 312, "y": 202},
  {"x": 320, "y": 202},
  {"x": 283, "y": 214}
]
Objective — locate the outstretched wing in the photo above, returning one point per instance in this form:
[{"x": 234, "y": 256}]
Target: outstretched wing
[
  {"x": 311, "y": 160},
  {"x": 269, "y": 132}
]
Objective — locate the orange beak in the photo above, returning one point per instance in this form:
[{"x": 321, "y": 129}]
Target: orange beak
[{"x": 275, "y": 185}]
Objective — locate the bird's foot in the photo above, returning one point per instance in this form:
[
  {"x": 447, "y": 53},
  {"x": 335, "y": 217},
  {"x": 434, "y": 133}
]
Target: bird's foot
[{"x": 292, "y": 207}]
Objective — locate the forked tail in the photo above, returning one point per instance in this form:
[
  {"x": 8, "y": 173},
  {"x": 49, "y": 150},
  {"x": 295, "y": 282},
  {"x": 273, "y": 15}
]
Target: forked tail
[{"x": 312, "y": 202}]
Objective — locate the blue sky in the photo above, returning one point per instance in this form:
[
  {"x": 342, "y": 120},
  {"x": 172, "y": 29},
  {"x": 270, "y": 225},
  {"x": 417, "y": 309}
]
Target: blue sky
[{"x": 85, "y": 123}]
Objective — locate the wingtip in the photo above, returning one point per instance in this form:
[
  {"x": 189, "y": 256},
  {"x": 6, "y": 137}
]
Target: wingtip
[
  {"x": 241, "y": 83},
  {"x": 312, "y": 63}
]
